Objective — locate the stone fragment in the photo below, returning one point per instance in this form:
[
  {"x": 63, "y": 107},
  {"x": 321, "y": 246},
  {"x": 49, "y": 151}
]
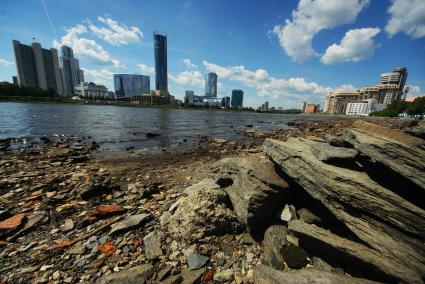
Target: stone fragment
[
  {"x": 195, "y": 261},
  {"x": 266, "y": 275},
  {"x": 208, "y": 183},
  {"x": 68, "y": 225},
  {"x": 152, "y": 244},
  {"x": 130, "y": 222},
  {"x": 203, "y": 213},
  {"x": 225, "y": 276},
  {"x": 255, "y": 189},
  {"x": 274, "y": 241},
  {"x": 308, "y": 217},
  {"x": 107, "y": 248},
  {"x": 97, "y": 187},
  {"x": 330, "y": 154},
  {"x": 13, "y": 222},
  {"x": 108, "y": 210},
  {"x": 136, "y": 275}
]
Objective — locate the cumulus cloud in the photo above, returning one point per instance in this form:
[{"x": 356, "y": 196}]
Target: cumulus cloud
[
  {"x": 407, "y": 16},
  {"x": 188, "y": 64},
  {"x": 6, "y": 63},
  {"x": 188, "y": 78},
  {"x": 415, "y": 91},
  {"x": 310, "y": 17},
  {"x": 86, "y": 48},
  {"x": 115, "y": 33},
  {"x": 355, "y": 46},
  {"x": 146, "y": 69},
  {"x": 102, "y": 77},
  {"x": 269, "y": 86}
]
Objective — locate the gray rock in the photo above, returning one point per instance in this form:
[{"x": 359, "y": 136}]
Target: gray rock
[
  {"x": 274, "y": 241},
  {"x": 136, "y": 275},
  {"x": 255, "y": 189},
  {"x": 130, "y": 222},
  {"x": 266, "y": 275},
  {"x": 382, "y": 219},
  {"x": 195, "y": 261},
  {"x": 375, "y": 265},
  {"x": 208, "y": 183},
  {"x": 152, "y": 244},
  {"x": 308, "y": 217},
  {"x": 330, "y": 154},
  {"x": 321, "y": 264},
  {"x": 203, "y": 213},
  {"x": 68, "y": 225},
  {"x": 225, "y": 276},
  {"x": 97, "y": 187}
]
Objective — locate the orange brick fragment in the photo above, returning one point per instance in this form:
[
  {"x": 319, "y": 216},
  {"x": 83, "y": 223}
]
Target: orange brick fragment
[
  {"x": 108, "y": 248},
  {"x": 109, "y": 210},
  {"x": 14, "y": 222},
  {"x": 63, "y": 244}
]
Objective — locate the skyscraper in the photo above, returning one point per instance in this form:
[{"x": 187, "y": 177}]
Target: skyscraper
[
  {"x": 211, "y": 85},
  {"x": 37, "y": 67},
  {"x": 189, "y": 97},
  {"x": 160, "y": 52},
  {"x": 237, "y": 98},
  {"x": 127, "y": 85},
  {"x": 70, "y": 69}
]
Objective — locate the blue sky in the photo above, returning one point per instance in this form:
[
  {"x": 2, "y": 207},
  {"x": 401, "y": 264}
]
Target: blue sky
[{"x": 285, "y": 52}]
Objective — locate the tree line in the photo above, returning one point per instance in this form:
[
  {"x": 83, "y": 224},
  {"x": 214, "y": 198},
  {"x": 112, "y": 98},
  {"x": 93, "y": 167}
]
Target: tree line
[{"x": 417, "y": 107}]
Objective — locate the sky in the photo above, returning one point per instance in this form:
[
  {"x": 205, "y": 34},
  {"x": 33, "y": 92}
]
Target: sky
[{"x": 284, "y": 52}]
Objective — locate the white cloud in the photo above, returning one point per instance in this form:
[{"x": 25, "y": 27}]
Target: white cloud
[
  {"x": 355, "y": 46},
  {"x": 269, "y": 86},
  {"x": 86, "y": 48},
  {"x": 146, "y": 69},
  {"x": 310, "y": 17},
  {"x": 189, "y": 64},
  {"x": 415, "y": 91},
  {"x": 102, "y": 76},
  {"x": 188, "y": 78},
  {"x": 407, "y": 16},
  {"x": 6, "y": 63},
  {"x": 115, "y": 33}
]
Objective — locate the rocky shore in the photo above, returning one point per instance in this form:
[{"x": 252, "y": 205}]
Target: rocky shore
[{"x": 336, "y": 201}]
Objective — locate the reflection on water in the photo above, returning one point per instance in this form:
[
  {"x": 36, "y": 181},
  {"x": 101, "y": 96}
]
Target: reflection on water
[{"x": 120, "y": 127}]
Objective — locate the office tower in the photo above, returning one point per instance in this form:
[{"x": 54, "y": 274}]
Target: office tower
[
  {"x": 189, "y": 97},
  {"x": 237, "y": 98},
  {"x": 37, "y": 67},
  {"x": 128, "y": 85},
  {"x": 15, "y": 80},
  {"x": 211, "y": 85},
  {"x": 160, "y": 52},
  {"x": 266, "y": 106},
  {"x": 70, "y": 68},
  {"x": 225, "y": 102},
  {"x": 393, "y": 85}
]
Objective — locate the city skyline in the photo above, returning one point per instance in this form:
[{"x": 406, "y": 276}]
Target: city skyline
[{"x": 254, "y": 55}]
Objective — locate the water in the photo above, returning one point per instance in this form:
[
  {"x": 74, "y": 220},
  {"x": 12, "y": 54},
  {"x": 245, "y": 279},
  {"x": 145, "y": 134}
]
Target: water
[{"x": 120, "y": 127}]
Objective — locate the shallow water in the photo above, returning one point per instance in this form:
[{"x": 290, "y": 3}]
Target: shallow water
[{"x": 120, "y": 127}]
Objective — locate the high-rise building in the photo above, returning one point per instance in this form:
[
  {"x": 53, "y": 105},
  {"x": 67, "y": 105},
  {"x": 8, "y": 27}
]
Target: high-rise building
[
  {"x": 70, "y": 69},
  {"x": 225, "y": 102},
  {"x": 37, "y": 67},
  {"x": 128, "y": 85},
  {"x": 189, "y": 97},
  {"x": 310, "y": 108},
  {"x": 15, "y": 80},
  {"x": 237, "y": 98},
  {"x": 160, "y": 52},
  {"x": 211, "y": 85},
  {"x": 303, "y": 105}
]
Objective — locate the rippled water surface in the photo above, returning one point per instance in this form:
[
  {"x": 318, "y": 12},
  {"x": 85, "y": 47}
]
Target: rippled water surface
[{"x": 120, "y": 127}]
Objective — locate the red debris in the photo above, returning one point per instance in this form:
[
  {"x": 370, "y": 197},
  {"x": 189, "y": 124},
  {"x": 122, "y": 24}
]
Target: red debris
[
  {"x": 105, "y": 210},
  {"x": 108, "y": 248},
  {"x": 63, "y": 244},
  {"x": 14, "y": 222}
]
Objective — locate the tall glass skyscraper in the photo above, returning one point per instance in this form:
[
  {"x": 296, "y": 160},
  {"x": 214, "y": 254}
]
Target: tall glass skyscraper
[
  {"x": 211, "y": 85},
  {"x": 237, "y": 98},
  {"x": 127, "y": 85},
  {"x": 160, "y": 50}
]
